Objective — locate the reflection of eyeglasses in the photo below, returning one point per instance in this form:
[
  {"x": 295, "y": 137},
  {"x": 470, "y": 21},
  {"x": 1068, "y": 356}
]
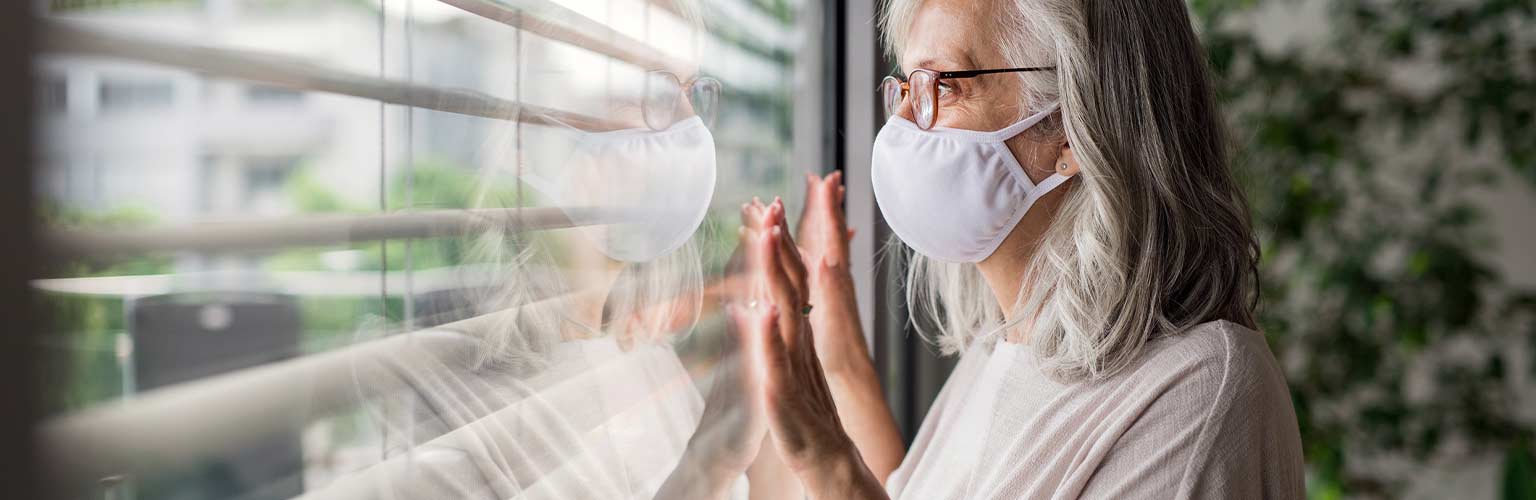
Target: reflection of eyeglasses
[
  {"x": 924, "y": 86},
  {"x": 662, "y": 106}
]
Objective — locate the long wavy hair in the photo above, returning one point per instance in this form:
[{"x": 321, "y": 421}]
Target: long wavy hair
[
  {"x": 530, "y": 305},
  {"x": 1154, "y": 238}
]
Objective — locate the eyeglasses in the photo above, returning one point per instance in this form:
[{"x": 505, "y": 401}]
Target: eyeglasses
[
  {"x": 924, "y": 85},
  {"x": 665, "y": 94}
]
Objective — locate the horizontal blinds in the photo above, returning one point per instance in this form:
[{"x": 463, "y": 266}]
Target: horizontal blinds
[
  {"x": 313, "y": 230},
  {"x": 182, "y": 424},
  {"x": 555, "y": 22},
  {"x": 295, "y": 73}
]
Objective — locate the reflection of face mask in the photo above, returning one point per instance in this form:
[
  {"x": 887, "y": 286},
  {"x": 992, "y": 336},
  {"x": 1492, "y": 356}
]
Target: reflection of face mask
[
  {"x": 953, "y": 194},
  {"x": 660, "y": 182}
]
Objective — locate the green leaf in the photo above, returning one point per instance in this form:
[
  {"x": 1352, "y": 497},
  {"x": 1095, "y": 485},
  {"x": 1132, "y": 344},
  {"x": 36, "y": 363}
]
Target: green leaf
[{"x": 1519, "y": 474}]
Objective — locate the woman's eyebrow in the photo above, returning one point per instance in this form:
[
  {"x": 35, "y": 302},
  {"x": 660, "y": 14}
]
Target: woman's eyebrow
[
  {"x": 966, "y": 62},
  {"x": 934, "y": 64}
]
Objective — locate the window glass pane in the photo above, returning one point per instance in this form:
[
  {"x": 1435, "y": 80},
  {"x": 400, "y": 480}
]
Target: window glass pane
[{"x": 383, "y": 243}]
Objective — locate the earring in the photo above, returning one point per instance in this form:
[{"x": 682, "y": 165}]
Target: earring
[{"x": 1063, "y": 167}]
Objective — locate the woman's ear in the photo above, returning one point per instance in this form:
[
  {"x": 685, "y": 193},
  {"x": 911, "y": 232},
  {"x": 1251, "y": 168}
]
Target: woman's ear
[{"x": 1067, "y": 163}]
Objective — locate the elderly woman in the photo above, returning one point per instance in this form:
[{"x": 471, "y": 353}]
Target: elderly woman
[{"x": 1058, "y": 167}]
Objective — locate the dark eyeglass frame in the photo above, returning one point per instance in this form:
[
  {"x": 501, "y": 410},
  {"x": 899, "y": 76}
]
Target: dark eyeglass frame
[{"x": 936, "y": 76}]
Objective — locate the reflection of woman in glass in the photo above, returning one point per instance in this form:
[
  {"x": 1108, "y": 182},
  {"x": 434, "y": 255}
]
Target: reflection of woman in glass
[
  {"x": 1059, "y": 170},
  {"x": 565, "y": 385}
]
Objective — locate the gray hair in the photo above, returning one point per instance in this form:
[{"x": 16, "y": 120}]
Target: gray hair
[
  {"x": 1155, "y": 237},
  {"x": 532, "y": 302}
]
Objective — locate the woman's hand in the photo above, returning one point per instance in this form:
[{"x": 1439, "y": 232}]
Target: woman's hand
[
  {"x": 732, "y": 429},
  {"x": 733, "y": 426},
  {"x": 823, "y": 227},
  {"x": 802, "y": 416},
  {"x": 823, "y": 243},
  {"x": 834, "y": 318}
]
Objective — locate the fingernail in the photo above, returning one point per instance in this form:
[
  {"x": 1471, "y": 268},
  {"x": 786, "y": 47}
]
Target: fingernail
[{"x": 775, "y": 232}]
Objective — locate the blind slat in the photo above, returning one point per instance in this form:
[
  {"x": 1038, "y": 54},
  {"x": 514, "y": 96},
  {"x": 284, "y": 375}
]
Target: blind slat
[
  {"x": 185, "y": 423},
  {"x": 555, "y": 22},
  {"x": 314, "y": 230},
  {"x": 294, "y": 73},
  {"x": 182, "y": 424}
]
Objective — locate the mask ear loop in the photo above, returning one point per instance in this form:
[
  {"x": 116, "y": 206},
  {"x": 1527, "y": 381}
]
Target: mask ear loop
[{"x": 1061, "y": 167}]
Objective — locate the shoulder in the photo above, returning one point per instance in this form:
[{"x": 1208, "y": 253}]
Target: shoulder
[
  {"x": 1217, "y": 374},
  {"x": 1216, "y": 396},
  {"x": 1222, "y": 357},
  {"x": 1221, "y": 379}
]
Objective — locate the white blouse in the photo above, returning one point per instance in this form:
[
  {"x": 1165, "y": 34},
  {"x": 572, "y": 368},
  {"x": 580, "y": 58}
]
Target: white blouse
[{"x": 1203, "y": 414}]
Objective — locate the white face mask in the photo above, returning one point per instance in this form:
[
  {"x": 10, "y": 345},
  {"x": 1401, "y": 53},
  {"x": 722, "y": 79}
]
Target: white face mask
[
  {"x": 660, "y": 181},
  {"x": 953, "y": 194}
]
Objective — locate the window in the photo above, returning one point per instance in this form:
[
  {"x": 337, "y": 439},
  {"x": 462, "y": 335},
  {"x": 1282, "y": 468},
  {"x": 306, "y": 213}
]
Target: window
[
  {"x": 264, "y": 95},
  {"x": 282, "y": 275},
  {"x": 265, "y": 178},
  {"x": 53, "y": 93},
  {"x": 117, "y": 95}
]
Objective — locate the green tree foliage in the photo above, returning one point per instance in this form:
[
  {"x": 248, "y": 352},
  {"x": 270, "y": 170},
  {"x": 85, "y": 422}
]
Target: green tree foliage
[
  {"x": 1361, "y": 152},
  {"x": 83, "y": 352}
]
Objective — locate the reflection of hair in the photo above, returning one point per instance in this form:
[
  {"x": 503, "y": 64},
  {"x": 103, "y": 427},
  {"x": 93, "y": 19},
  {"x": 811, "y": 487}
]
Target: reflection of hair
[
  {"x": 649, "y": 301},
  {"x": 1155, "y": 237},
  {"x": 691, "y": 13}
]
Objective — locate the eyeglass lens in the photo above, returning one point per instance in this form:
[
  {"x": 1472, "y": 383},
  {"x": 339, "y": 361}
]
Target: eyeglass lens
[
  {"x": 921, "y": 95},
  {"x": 705, "y": 97},
  {"x": 890, "y": 95},
  {"x": 663, "y": 104},
  {"x": 661, "y": 99}
]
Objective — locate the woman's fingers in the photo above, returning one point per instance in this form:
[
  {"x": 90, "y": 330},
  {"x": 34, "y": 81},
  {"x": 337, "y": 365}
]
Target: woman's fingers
[
  {"x": 769, "y": 344},
  {"x": 837, "y": 239},
  {"x": 791, "y": 263},
  {"x": 778, "y": 272},
  {"x": 808, "y": 211},
  {"x": 759, "y": 341},
  {"x": 781, "y": 291},
  {"x": 752, "y": 214},
  {"x": 791, "y": 252},
  {"x": 788, "y": 252}
]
